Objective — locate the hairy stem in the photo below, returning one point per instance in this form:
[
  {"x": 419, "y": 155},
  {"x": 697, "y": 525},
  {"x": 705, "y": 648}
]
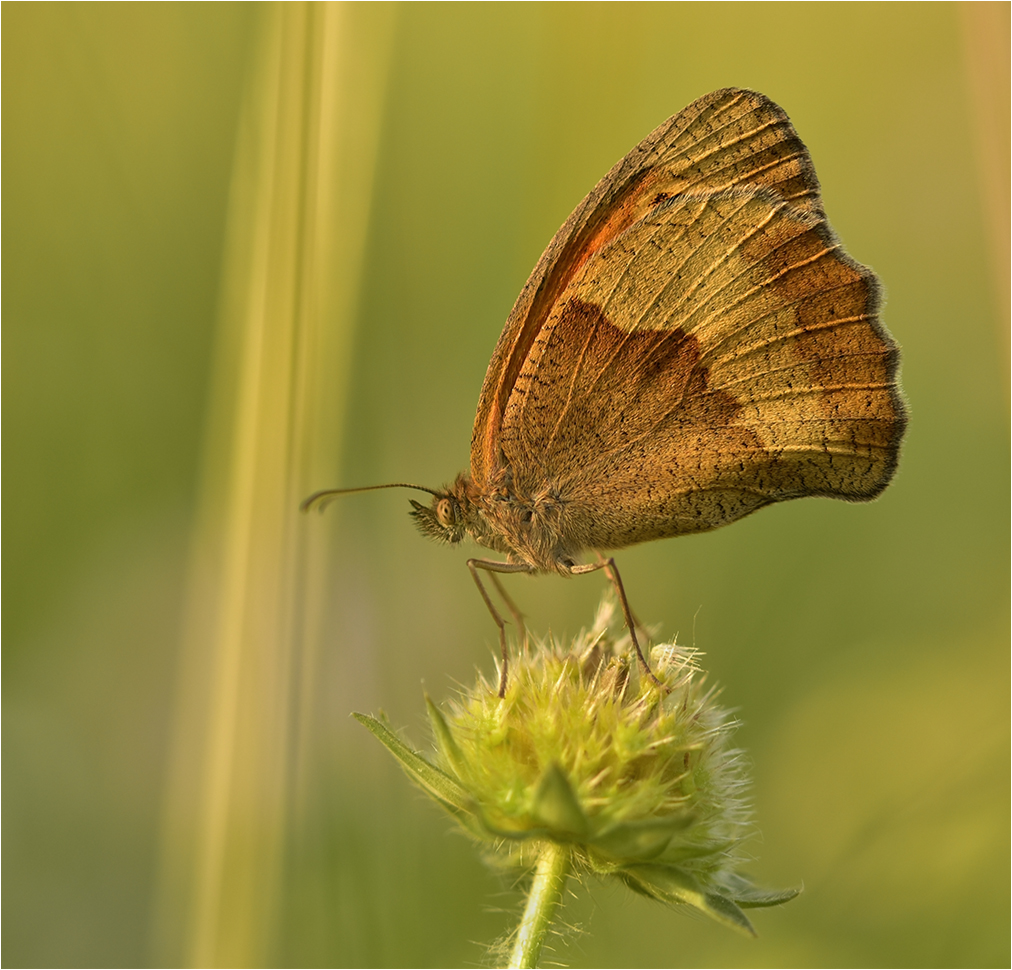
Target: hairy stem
[{"x": 542, "y": 901}]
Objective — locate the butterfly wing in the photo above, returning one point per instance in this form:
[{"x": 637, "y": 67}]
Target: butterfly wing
[
  {"x": 727, "y": 138},
  {"x": 710, "y": 350}
]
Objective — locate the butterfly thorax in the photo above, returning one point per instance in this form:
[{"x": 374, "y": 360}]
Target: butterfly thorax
[{"x": 526, "y": 528}]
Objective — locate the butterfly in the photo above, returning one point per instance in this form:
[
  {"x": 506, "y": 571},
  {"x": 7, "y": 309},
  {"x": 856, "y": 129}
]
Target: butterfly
[{"x": 694, "y": 344}]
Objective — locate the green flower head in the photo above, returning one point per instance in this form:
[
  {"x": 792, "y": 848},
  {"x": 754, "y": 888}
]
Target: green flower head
[{"x": 638, "y": 782}]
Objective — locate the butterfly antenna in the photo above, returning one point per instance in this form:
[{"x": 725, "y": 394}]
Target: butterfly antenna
[{"x": 318, "y": 501}]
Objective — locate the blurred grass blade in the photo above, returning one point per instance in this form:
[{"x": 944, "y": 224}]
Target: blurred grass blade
[
  {"x": 298, "y": 212},
  {"x": 985, "y": 33}
]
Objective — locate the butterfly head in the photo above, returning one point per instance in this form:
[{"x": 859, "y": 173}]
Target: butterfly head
[{"x": 443, "y": 520}]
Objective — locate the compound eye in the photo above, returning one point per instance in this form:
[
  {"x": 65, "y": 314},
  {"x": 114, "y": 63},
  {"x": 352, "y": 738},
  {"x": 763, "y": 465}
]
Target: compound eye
[{"x": 444, "y": 513}]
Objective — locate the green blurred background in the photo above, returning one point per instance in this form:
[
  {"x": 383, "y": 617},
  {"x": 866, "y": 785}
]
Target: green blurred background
[{"x": 864, "y": 646}]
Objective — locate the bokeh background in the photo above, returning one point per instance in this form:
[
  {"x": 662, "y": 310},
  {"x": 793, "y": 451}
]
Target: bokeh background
[{"x": 250, "y": 251}]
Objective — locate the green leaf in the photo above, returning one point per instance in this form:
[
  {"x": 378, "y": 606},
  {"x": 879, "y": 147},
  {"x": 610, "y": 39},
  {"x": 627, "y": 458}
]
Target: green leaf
[
  {"x": 672, "y": 885},
  {"x": 437, "y": 783},
  {"x": 749, "y": 896},
  {"x": 556, "y": 805},
  {"x": 444, "y": 738},
  {"x": 679, "y": 854},
  {"x": 520, "y": 834},
  {"x": 641, "y": 840}
]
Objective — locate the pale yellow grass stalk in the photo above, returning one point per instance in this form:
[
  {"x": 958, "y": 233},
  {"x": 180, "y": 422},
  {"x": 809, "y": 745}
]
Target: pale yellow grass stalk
[
  {"x": 985, "y": 36},
  {"x": 297, "y": 222}
]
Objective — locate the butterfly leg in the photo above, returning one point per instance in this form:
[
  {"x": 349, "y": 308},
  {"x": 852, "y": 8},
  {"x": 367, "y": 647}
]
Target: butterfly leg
[
  {"x": 611, "y": 571},
  {"x": 604, "y": 565},
  {"x": 518, "y": 617},
  {"x": 491, "y": 566}
]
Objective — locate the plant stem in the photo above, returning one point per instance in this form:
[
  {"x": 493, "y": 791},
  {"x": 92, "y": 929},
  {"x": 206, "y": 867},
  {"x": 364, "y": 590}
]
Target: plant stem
[{"x": 542, "y": 902}]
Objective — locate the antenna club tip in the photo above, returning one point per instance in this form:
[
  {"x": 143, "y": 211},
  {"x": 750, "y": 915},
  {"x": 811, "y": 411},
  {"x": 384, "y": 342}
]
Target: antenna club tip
[{"x": 316, "y": 502}]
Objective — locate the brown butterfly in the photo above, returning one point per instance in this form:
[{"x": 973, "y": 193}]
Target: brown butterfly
[{"x": 693, "y": 344}]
